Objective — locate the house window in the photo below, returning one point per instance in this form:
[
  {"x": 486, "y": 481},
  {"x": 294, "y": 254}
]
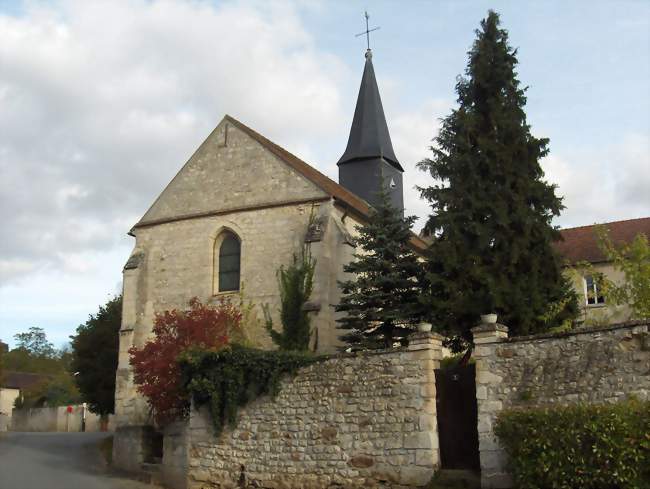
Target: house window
[
  {"x": 592, "y": 291},
  {"x": 229, "y": 262}
]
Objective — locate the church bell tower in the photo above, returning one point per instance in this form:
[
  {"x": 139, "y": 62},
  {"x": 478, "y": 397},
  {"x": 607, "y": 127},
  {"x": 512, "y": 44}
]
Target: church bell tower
[{"x": 369, "y": 158}]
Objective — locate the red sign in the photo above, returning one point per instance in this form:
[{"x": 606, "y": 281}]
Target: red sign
[{"x": 69, "y": 410}]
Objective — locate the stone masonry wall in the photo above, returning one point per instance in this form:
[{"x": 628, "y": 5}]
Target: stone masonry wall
[
  {"x": 594, "y": 365},
  {"x": 354, "y": 421}
]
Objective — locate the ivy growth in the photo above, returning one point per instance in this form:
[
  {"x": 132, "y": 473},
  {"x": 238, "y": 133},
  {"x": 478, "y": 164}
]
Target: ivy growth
[
  {"x": 296, "y": 283},
  {"x": 227, "y": 379}
]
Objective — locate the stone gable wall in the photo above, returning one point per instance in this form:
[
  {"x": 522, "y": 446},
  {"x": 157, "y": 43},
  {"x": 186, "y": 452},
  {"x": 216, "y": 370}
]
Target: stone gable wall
[
  {"x": 356, "y": 421},
  {"x": 229, "y": 172},
  {"x": 593, "y": 365}
]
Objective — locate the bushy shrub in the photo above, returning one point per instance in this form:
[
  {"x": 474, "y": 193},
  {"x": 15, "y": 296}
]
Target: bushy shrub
[
  {"x": 156, "y": 371},
  {"x": 578, "y": 446},
  {"x": 229, "y": 378}
]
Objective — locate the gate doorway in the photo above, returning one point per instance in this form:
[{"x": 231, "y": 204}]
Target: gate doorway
[{"x": 457, "y": 417}]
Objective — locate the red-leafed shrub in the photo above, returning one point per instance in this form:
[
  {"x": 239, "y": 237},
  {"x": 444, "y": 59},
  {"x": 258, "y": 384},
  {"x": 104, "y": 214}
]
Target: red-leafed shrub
[{"x": 156, "y": 371}]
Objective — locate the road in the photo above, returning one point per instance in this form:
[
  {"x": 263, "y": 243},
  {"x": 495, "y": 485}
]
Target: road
[{"x": 57, "y": 461}]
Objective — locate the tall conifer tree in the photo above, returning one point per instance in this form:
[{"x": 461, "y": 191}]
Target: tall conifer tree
[
  {"x": 381, "y": 301},
  {"x": 492, "y": 210}
]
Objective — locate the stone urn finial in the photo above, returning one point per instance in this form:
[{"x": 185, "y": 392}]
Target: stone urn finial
[
  {"x": 488, "y": 318},
  {"x": 424, "y": 327}
]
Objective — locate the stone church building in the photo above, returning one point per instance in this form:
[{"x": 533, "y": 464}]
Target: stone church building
[{"x": 240, "y": 208}]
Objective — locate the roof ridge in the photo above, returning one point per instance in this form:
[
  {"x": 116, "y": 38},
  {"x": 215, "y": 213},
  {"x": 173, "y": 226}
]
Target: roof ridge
[
  {"x": 604, "y": 223},
  {"x": 325, "y": 183}
]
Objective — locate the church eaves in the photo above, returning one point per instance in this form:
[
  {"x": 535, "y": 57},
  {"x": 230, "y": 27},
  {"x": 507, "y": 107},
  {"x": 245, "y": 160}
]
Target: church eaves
[{"x": 369, "y": 136}]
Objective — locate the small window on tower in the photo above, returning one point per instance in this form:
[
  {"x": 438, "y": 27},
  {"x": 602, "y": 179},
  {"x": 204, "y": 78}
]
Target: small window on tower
[
  {"x": 593, "y": 293},
  {"x": 229, "y": 262}
]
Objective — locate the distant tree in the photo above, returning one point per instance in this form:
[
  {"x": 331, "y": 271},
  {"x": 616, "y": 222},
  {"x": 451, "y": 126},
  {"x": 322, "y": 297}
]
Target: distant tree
[
  {"x": 381, "y": 302},
  {"x": 35, "y": 342},
  {"x": 34, "y": 354},
  {"x": 296, "y": 283},
  {"x": 94, "y": 354},
  {"x": 156, "y": 371},
  {"x": 21, "y": 360},
  {"x": 54, "y": 390},
  {"x": 491, "y": 208}
]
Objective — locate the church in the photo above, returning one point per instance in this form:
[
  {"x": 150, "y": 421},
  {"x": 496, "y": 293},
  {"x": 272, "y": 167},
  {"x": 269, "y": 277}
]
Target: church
[{"x": 238, "y": 210}]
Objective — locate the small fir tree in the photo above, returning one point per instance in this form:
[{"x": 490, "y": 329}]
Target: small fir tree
[
  {"x": 296, "y": 283},
  {"x": 492, "y": 211},
  {"x": 381, "y": 302}
]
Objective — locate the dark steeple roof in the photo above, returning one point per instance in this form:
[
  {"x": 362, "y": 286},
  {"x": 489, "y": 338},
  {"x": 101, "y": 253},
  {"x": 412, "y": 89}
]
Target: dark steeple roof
[{"x": 369, "y": 137}]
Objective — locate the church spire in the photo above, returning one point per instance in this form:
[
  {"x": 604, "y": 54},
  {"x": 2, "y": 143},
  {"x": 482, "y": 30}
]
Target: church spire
[
  {"x": 369, "y": 136},
  {"x": 369, "y": 160}
]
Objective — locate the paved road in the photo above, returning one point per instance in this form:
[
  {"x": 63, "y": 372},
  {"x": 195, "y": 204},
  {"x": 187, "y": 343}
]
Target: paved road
[{"x": 56, "y": 461}]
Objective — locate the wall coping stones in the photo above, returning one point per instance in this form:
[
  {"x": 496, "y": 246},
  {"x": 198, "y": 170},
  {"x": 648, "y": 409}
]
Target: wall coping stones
[
  {"x": 582, "y": 330},
  {"x": 494, "y": 333},
  {"x": 489, "y": 328}
]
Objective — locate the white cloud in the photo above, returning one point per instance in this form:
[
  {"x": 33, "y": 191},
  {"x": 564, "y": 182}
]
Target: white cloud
[
  {"x": 102, "y": 102},
  {"x": 601, "y": 186},
  {"x": 412, "y": 135}
]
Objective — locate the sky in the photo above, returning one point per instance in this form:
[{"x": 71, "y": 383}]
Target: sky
[{"x": 102, "y": 102}]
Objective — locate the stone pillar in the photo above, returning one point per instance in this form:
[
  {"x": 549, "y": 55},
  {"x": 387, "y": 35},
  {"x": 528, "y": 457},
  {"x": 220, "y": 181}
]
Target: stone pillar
[
  {"x": 492, "y": 456},
  {"x": 426, "y": 349}
]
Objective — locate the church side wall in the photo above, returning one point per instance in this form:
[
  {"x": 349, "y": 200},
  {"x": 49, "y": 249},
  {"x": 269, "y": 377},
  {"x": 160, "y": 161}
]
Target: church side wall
[
  {"x": 177, "y": 264},
  {"x": 354, "y": 421},
  {"x": 594, "y": 365}
]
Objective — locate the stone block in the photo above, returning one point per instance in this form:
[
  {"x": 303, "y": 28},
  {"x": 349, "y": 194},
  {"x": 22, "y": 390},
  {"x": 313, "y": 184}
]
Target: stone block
[
  {"x": 485, "y": 377},
  {"x": 361, "y": 461},
  {"x": 418, "y": 440},
  {"x": 414, "y": 475}
]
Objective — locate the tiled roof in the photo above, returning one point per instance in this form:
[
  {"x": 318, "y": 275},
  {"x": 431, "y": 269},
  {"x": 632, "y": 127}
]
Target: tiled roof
[
  {"x": 581, "y": 243},
  {"x": 340, "y": 193},
  {"x": 21, "y": 380}
]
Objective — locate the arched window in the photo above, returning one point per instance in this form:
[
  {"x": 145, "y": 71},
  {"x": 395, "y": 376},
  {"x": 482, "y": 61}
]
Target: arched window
[{"x": 229, "y": 262}]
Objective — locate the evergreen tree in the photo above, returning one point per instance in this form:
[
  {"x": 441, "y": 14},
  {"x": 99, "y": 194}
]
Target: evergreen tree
[
  {"x": 381, "y": 301},
  {"x": 94, "y": 356},
  {"x": 492, "y": 210}
]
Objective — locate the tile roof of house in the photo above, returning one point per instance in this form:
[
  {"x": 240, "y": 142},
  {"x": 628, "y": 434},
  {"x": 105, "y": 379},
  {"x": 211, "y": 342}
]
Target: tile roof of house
[
  {"x": 337, "y": 191},
  {"x": 21, "y": 380},
  {"x": 581, "y": 243}
]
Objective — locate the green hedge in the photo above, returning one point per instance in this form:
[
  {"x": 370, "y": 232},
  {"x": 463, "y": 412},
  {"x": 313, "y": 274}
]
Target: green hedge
[{"x": 578, "y": 446}]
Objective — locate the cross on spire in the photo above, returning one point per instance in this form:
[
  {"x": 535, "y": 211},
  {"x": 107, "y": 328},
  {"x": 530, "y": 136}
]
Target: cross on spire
[{"x": 367, "y": 31}]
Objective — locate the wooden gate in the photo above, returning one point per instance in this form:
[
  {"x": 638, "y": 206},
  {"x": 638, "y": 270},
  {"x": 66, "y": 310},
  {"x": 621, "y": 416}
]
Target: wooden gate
[{"x": 457, "y": 417}]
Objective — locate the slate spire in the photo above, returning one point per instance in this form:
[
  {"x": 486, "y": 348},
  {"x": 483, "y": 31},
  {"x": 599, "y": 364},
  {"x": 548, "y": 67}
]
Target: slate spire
[
  {"x": 369, "y": 136},
  {"x": 369, "y": 158}
]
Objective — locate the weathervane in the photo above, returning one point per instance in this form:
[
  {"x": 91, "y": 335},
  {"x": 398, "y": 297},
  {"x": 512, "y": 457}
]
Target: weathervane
[{"x": 367, "y": 31}]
